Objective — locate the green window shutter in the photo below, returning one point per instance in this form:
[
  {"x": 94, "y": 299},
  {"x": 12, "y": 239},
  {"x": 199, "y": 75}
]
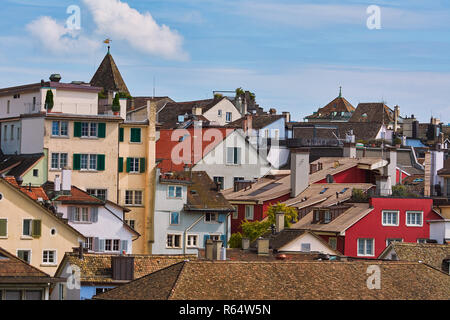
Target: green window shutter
[
  {"x": 3, "y": 227},
  {"x": 120, "y": 164},
  {"x": 36, "y": 231},
  {"x": 76, "y": 162},
  {"x": 135, "y": 134},
  {"x": 121, "y": 134},
  {"x": 128, "y": 164},
  {"x": 102, "y": 130},
  {"x": 77, "y": 129},
  {"x": 142, "y": 165},
  {"x": 101, "y": 162}
]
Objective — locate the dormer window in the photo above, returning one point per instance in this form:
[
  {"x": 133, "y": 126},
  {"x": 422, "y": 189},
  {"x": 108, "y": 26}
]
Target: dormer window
[{"x": 327, "y": 218}]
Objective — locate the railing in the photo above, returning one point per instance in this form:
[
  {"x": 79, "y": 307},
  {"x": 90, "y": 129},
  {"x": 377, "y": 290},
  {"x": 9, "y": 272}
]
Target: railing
[{"x": 308, "y": 142}]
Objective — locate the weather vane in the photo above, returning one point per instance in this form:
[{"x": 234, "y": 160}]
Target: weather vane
[{"x": 108, "y": 41}]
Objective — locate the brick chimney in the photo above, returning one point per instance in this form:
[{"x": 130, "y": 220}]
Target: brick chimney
[
  {"x": 299, "y": 171},
  {"x": 287, "y": 116}
]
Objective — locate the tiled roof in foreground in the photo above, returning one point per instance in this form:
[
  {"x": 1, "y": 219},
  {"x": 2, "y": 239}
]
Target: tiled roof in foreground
[{"x": 306, "y": 280}]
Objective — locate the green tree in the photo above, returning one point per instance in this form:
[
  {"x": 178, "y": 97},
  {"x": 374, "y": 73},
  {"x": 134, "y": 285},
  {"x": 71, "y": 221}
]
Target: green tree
[
  {"x": 49, "y": 103},
  {"x": 116, "y": 103},
  {"x": 359, "y": 196},
  {"x": 235, "y": 240}
]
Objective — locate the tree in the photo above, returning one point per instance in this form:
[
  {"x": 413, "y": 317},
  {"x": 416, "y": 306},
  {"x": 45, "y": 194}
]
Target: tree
[
  {"x": 49, "y": 100},
  {"x": 359, "y": 196},
  {"x": 235, "y": 240},
  {"x": 255, "y": 229},
  {"x": 116, "y": 103}
]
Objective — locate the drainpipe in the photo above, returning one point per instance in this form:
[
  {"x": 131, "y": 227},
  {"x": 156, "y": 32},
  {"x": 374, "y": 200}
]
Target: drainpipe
[{"x": 187, "y": 230}]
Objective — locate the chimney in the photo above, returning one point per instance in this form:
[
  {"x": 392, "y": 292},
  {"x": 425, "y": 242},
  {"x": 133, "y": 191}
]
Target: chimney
[
  {"x": 427, "y": 178},
  {"x": 55, "y": 77},
  {"x": 262, "y": 246},
  {"x": 272, "y": 111},
  {"x": 80, "y": 252},
  {"x": 437, "y": 163},
  {"x": 122, "y": 268},
  {"x": 392, "y": 166},
  {"x": 279, "y": 223},
  {"x": 209, "y": 249},
  {"x": 57, "y": 183},
  {"x": 66, "y": 181},
  {"x": 349, "y": 150},
  {"x": 245, "y": 243},
  {"x": 19, "y": 181},
  {"x": 299, "y": 171},
  {"x": 396, "y": 116},
  {"x": 384, "y": 186},
  {"x": 248, "y": 123},
  {"x": 217, "y": 249},
  {"x": 287, "y": 116}
]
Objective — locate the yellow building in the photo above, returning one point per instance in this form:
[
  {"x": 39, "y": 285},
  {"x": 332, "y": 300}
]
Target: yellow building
[{"x": 31, "y": 231}]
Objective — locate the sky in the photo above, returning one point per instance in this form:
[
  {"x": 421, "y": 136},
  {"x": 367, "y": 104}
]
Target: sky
[{"x": 294, "y": 55}]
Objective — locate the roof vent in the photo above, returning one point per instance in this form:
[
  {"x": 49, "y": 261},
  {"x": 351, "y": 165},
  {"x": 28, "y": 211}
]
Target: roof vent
[{"x": 55, "y": 77}]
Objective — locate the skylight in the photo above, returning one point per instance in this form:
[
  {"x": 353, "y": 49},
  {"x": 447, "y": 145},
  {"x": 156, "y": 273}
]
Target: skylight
[{"x": 324, "y": 190}]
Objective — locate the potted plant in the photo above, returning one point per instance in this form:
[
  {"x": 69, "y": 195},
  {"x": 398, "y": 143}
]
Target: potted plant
[
  {"x": 116, "y": 105},
  {"x": 49, "y": 101},
  {"x": 397, "y": 142}
]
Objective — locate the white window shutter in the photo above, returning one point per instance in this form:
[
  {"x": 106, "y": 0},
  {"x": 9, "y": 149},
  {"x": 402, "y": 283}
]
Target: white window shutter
[{"x": 94, "y": 214}]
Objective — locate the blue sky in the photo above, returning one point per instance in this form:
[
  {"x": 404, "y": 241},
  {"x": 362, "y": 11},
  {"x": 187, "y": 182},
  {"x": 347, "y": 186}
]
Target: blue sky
[{"x": 293, "y": 54}]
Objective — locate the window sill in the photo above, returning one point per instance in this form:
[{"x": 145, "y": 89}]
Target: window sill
[
  {"x": 176, "y": 248},
  {"x": 81, "y": 222},
  {"x": 131, "y": 142},
  {"x": 48, "y": 265},
  {"x": 414, "y": 225},
  {"x": 3, "y": 238},
  {"x": 26, "y": 238},
  {"x": 88, "y": 171},
  {"x": 60, "y": 137},
  {"x": 90, "y": 138}
]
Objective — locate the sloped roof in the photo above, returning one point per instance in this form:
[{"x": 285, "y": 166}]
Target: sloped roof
[
  {"x": 305, "y": 280},
  {"x": 32, "y": 192},
  {"x": 18, "y": 165},
  {"x": 76, "y": 196},
  {"x": 324, "y": 130},
  {"x": 15, "y": 270},
  {"x": 375, "y": 112},
  {"x": 96, "y": 268},
  {"x": 259, "y": 121},
  {"x": 108, "y": 76},
  {"x": 339, "y": 104},
  {"x": 430, "y": 253},
  {"x": 165, "y": 145},
  {"x": 340, "y": 224}
]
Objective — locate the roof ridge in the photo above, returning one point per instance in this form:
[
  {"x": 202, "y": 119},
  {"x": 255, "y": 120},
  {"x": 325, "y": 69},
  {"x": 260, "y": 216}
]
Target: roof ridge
[{"x": 178, "y": 278}]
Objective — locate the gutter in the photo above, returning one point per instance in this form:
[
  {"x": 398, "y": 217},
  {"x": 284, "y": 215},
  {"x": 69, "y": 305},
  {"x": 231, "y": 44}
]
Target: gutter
[{"x": 186, "y": 231}]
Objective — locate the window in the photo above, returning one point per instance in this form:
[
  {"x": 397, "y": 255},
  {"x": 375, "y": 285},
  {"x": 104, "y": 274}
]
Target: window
[
  {"x": 249, "y": 214},
  {"x": 8, "y": 107},
  {"x": 327, "y": 217},
  {"x": 34, "y": 103},
  {"x": 414, "y": 219},
  {"x": 236, "y": 212},
  {"x": 229, "y": 117},
  {"x": 26, "y": 229},
  {"x": 59, "y": 161},
  {"x": 133, "y": 197},
  {"x": 389, "y": 241},
  {"x": 365, "y": 247},
  {"x": 211, "y": 217},
  {"x": 174, "y": 218},
  {"x": 98, "y": 193},
  {"x": 93, "y": 130},
  {"x": 219, "y": 181},
  {"x": 173, "y": 241},
  {"x": 333, "y": 243},
  {"x": 5, "y": 132},
  {"x": 266, "y": 133},
  {"x": 306, "y": 247},
  {"x": 131, "y": 223},
  {"x": 116, "y": 245},
  {"x": 135, "y": 136},
  {"x": 390, "y": 218},
  {"x": 233, "y": 155},
  {"x": 60, "y": 129},
  {"x": 35, "y": 172},
  {"x": 108, "y": 245},
  {"x": 219, "y": 113},
  {"x": 49, "y": 257},
  {"x": 235, "y": 179},
  {"x": 88, "y": 243},
  {"x": 25, "y": 255},
  {"x": 214, "y": 237},
  {"x": 89, "y": 162},
  {"x": 89, "y": 130},
  {"x": 12, "y": 132},
  {"x": 192, "y": 241},
  {"x": 420, "y": 240},
  {"x": 3, "y": 228},
  {"x": 175, "y": 192},
  {"x": 134, "y": 165},
  {"x": 85, "y": 214}
]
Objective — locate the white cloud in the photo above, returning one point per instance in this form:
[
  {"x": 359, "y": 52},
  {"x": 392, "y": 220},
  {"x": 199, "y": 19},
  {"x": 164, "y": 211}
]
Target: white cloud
[
  {"x": 115, "y": 19},
  {"x": 56, "y": 38}
]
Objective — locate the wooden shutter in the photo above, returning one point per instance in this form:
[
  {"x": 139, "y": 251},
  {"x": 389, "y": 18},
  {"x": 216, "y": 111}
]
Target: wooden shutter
[
  {"x": 237, "y": 155},
  {"x": 100, "y": 162},
  {"x": 36, "y": 231},
  {"x": 101, "y": 130},
  {"x": 120, "y": 164},
  {"x": 205, "y": 239},
  {"x": 224, "y": 240},
  {"x": 76, "y": 161},
  {"x": 121, "y": 134},
  {"x": 94, "y": 214},
  {"x": 142, "y": 165},
  {"x": 128, "y": 164},
  {"x": 135, "y": 134},
  {"x": 3, "y": 227},
  {"x": 221, "y": 218},
  {"x": 77, "y": 129}
]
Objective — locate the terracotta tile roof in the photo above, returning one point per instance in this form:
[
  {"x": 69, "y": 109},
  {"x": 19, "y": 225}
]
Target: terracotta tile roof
[
  {"x": 108, "y": 76},
  {"x": 430, "y": 253},
  {"x": 328, "y": 130},
  {"x": 339, "y": 104},
  {"x": 345, "y": 220},
  {"x": 235, "y": 254},
  {"x": 77, "y": 196},
  {"x": 165, "y": 145},
  {"x": 33, "y": 192},
  {"x": 252, "y": 280},
  {"x": 258, "y": 121},
  {"x": 96, "y": 268}
]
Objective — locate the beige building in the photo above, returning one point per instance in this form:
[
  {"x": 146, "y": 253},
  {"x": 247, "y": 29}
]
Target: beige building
[{"x": 31, "y": 231}]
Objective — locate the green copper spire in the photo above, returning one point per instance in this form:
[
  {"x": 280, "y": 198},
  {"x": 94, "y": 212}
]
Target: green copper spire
[{"x": 340, "y": 92}]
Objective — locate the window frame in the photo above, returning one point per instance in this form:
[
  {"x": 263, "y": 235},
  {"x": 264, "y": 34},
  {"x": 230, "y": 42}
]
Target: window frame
[
  {"x": 211, "y": 221},
  {"x": 397, "y": 213},
  {"x": 174, "y": 192},
  {"x": 247, "y": 217},
  {"x": 188, "y": 242},
  {"x": 173, "y": 237},
  {"x": 171, "y": 220},
  {"x": 365, "y": 247},
  {"x": 55, "y": 257},
  {"x": 414, "y": 225},
  {"x": 60, "y": 129}
]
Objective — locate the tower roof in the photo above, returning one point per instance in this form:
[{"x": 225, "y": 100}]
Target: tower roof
[{"x": 108, "y": 76}]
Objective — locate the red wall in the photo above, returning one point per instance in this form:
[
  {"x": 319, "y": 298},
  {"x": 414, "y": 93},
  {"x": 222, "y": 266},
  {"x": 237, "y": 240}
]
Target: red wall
[
  {"x": 371, "y": 225},
  {"x": 259, "y": 212},
  {"x": 352, "y": 175},
  {"x": 403, "y": 175}
]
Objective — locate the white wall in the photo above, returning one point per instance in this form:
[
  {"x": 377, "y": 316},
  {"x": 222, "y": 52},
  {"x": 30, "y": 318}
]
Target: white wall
[
  {"x": 20, "y": 106},
  {"x": 8, "y": 145},
  {"x": 226, "y": 106},
  {"x": 316, "y": 245},
  {"x": 252, "y": 166},
  {"x": 440, "y": 230},
  {"x": 32, "y": 139},
  {"x": 72, "y": 102}
]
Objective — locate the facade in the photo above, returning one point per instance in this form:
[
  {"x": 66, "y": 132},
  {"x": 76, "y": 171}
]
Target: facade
[
  {"x": 189, "y": 211},
  {"x": 30, "y": 230}
]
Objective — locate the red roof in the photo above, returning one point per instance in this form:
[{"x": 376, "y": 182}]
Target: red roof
[
  {"x": 33, "y": 192},
  {"x": 205, "y": 141}
]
